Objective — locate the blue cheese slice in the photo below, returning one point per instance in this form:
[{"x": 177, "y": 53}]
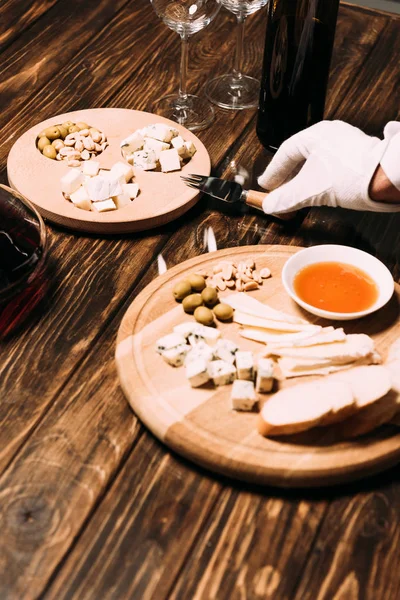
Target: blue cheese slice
[
  {"x": 245, "y": 365},
  {"x": 197, "y": 372},
  {"x": 198, "y": 331},
  {"x": 221, "y": 372},
  {"x": 156, "y": 146},
  {"x": 145, "y": 160},
  {"x": 226, "y": 350},
  {"x": 160, "y": 132},
  {"x": 172, "y": 340},
  {"x": 133, "y": 142},
  {"x": 176, "y": 356},
  {"x": 265, "y": 375},
  {"x": 243, "y": 396},
  {"x": 200, "y": 350}
]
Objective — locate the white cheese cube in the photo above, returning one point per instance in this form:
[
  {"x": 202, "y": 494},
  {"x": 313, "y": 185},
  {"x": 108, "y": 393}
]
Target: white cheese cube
[
  {"x": 121, "y": 200},
  {"x": 98, "y": 188},
  {"x": 155, "y": 145},
  {"x": 197, "y": 372},
  {"x": 202, "y": 332},
  {"x": 179, "y": 144},
  {"x": 176, "y": 356},
  {"x": 145, "y": 160},
  {"x": 186, "y": 328},
  {"x": 226, "y": 350},
  {"x": 71, "y": 181},
  {"x": 171, "y": 340},
  {"x": 90, "y": 168},
  {"x": 81, "y": 199},
  {"x": 243, "y": 396},
  {"x": 169, "y": 160},
  {"x": 104, "y": 205},
  {"x": 133, "y": 142},
  {"x": 132, "y": 189},
  {"x": 121, "y": 169},
  {"x": 244, "y": 365},
  {"x": 115, "y": 186},
  {"x": 221, "y": 372},
  {"x": 160, "y": 132},
  {"x": 265, "y": 375},
  {"x": 191, "y": 148},
  {"x": 200, "y": 350}
]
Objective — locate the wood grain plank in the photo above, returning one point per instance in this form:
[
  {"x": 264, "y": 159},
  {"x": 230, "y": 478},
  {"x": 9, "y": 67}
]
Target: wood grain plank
[
  {"x": 30, "y": 62},
  {"x": 15, "y": 17}
]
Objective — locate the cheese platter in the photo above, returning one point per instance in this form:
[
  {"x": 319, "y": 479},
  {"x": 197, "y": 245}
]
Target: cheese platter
[
  {"x": 65, "y": 166},
  {"x": 209, "y": 416}
]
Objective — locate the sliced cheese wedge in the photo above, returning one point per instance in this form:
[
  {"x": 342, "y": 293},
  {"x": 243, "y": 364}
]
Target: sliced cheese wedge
[
  {"x": 294, "y": 367},
  {"x": 258, "y": 322},
  {"x": 251, "y": 306},
  {"x": 394, "y": 352},
  {"x": 327, "y": 335},
  {"x": 353, "y": 347},
  {"x": 303, "y": 406},
  {"x": 266, "y": 336}
]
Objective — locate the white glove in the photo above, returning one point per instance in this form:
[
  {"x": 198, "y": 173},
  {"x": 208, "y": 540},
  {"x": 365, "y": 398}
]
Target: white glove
[{"x": 331, "y": 164}]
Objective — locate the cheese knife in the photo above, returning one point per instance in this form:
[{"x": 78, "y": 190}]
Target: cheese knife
[{"x": 227, "y": 191}]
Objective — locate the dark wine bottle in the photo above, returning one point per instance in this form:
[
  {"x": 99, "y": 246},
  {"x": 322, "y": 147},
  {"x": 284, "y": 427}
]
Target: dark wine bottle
[{"x": 298, "y": 49}]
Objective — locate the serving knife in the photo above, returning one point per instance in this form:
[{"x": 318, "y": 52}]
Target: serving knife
[{"x": 227, "y": 191}]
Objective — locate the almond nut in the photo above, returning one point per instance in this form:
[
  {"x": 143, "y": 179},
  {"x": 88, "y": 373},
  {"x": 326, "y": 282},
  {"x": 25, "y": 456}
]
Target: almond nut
[
  {"x": 85, "y": 155},
  {"x": 251, "y": 285},
  {"x": 88, "y": 143}
]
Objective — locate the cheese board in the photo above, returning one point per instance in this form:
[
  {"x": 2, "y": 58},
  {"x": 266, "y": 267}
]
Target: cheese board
[
  {"x": 199, "y": 424},
  {"x": 163, "y": 196}
]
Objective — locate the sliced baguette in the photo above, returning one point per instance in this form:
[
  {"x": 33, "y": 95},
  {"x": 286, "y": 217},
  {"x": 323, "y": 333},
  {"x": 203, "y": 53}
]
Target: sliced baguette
[
  {"x": 369, "y": 383},
  {"x": 370, "y": 417}
]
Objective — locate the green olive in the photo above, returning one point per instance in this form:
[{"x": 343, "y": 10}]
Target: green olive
[
  {"x": 73, "y": 129},
  {"x": 190, "y": 303},
  {"x": 181, "y": 290},
  {"x": 197, "y": 282},
  {"x": 82, "y": 125},
  {"x": 63, "y": 130},
  {"x": 210, "y": 296},
  {"x": 223, "y": 312},
  {"x": 42, "y": 133},
  {"x": 58, "y": 144},
  {"x": 67, "y": 124},
  {"x": 53, "y": 133},
  {"x": 43, "y": 141},
  {"x": 204, "y": 315},
  {"x": 50, "y": 152}
]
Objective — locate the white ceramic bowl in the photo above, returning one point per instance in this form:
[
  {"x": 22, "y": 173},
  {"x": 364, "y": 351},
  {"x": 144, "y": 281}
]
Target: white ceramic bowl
[{"x": 344, "y": 254}]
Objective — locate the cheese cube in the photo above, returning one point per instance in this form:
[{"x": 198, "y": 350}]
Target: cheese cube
[
  {"x": 176, "y": 356},
  {"x": 221, "y": 372},
  {"x": 119, "y": 169},
  {"x": 133, "y": 142},
  {"x": 132, "y": 189},
  {"x": 244, "y": 365},
  {"x": 98, "y": 188},
  {"x": 71, "y": 181},
  {"x": 191, "y": 148},
  {"x": 104, "y": 206},
  {"x": 145, "y": 160},
  {"x": 160, "y": 132},
  {"x": 81, "y": 199},
  {"x": 115, "y": 186},
  {"x": 226, "y": 350},
  {"x": 155, "y": 145},
  {"x": 200, "y": 350},
  {"x": 197, "y": 372},
  {"x": 265, "y": 375},
  {"x": 179, "y": 144},
  {"x": 169, "y": 160},
  {"x": 121, "y": 200},
  {"x": 172, "y": 340},
  {"x": 90, "y": 168},
  {"x": 243, "y": 396}
]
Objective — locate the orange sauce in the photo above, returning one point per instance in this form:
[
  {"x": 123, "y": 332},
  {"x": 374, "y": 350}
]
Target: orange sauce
[{"x": 336, "y": 287}]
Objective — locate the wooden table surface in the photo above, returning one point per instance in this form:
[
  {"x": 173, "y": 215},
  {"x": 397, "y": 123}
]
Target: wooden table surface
[{"x": 92, "y": 505}]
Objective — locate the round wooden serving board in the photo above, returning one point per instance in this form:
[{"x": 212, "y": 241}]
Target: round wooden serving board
[
  {"x": 199, "y": 424},
  {"x": 163, "y": 196}
]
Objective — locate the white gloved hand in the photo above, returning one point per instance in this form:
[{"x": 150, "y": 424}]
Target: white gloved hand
[{"x": 331, "y": 164}]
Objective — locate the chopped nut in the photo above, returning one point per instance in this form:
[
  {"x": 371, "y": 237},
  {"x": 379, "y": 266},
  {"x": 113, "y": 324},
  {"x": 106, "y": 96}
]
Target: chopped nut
[
  {"x": 227, "y": 272},
  {"x": 250, "y": 263},
  {"x": 79, "y": 146},
  {"x": 221, "y": 285},
  {"x": 238, "y": 285},
  {"x": 245, "y": 278},
  {"x": 85, "y": 155},
  {"x": 256, "y": 276},
  {"x": 265, "y": 273},
  {"x": 84, "y": 132},
  {"x": 230, "y": 284},
  {"x": 88, "y": 142},
  {"x": 97, "y": 147},
  {"x": 251, "y": 285}
]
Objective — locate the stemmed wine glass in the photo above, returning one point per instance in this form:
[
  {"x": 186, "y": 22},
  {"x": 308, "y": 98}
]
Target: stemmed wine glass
[
  {"x": 186, "y": 17},
  {"x": 236, "y": 90}
]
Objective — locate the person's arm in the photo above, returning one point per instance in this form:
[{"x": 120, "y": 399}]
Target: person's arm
[{"x": 382, "y": 189}]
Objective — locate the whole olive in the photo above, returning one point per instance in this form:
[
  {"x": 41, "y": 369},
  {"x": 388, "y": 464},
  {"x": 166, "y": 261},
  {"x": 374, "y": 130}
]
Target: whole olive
[
  {"x": 73, "y": 129},
  {"x": 50, "y": 152},
  {"x": 82, "y": 125},
  {"x": 223, "y": 312},
  {"x": 210, "y": 296},
  {"x": 204, "y": 315},
  {"x": 52, "y": 133},
  {"x": 67, "y": 124},
  {"x": 43, "y": 141},
  {"x": 58, "y": 144},
  {"x": 42, "y": 133},
  {"x": 197, "y": 282},
  {"x": 63, "y": 130},
  {"x": 190, "y": 303},
  {"x": 181, "y": 290}
]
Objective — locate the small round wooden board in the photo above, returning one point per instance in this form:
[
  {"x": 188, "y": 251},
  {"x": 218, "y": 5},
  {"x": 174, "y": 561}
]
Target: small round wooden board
[
  {"x": 163, "y": 196},
  {"x": 199, "y": 423}
]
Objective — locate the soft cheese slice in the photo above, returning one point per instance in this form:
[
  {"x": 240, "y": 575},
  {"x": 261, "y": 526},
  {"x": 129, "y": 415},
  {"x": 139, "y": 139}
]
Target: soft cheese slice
[
  {"x": 160, "y": 132},
  {"x": 251, "y": 321},
  {"x": 120, "y": 169},
  {"x": 266, "y": 337},
  {"x": 325, "y": 336},
  {"x": 169, "y": 160},
  {"x": 104, "y": 206},
  {"x": 71, "y": 181},
  {"x": 132, "y": 189},
  {"x": 98, "y": 188},
  {"x": 356, "y": 345},
  {"x": 295, "y": 367},
  {"x": 251, "y": 306},
  {"x": 155, "y": 145},
  {"x": 301, "y": 407}
]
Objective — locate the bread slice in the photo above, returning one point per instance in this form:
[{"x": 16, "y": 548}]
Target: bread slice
[
  {"x": 370, "y": 417},
  {"x": 303, "y": 406},
  {"x": 369, "y": 383}
]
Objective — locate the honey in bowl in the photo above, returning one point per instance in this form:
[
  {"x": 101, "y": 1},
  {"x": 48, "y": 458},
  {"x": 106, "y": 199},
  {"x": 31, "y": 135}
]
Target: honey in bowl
[{"x": 336, "y": 287}]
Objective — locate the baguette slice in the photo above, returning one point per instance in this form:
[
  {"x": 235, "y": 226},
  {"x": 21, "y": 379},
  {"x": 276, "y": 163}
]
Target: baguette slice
[
  {"x": 303, "y": 406},
  {"x": 369, "y": 383},
  {"x": 370, "y": 417}
]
